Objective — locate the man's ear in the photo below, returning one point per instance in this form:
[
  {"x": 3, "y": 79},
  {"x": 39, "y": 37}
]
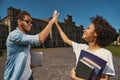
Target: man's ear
[{"x": 19, "y": 21}]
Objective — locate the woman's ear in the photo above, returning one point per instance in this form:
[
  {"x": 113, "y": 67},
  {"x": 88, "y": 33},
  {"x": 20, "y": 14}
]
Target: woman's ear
[{"x": 95, "y": 34}]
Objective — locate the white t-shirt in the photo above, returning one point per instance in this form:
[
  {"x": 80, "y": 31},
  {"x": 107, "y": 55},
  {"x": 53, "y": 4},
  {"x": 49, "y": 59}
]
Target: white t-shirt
[
  {"x": 27, "y": 71},
  {"x": 102, "y": 53}
]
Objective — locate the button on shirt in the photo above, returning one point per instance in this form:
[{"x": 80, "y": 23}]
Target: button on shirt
[{"x": 18, "y": 50}]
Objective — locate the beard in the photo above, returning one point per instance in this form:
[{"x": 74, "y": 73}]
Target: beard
[{"x": 25, "y": 30}]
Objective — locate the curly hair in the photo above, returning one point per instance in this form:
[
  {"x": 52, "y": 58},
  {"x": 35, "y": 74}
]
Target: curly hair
[{"x": 104, "y": 31}]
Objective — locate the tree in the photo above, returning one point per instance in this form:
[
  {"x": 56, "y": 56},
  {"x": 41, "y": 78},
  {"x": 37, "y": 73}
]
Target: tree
[
  {"x": 116, "y": 35},
  {"x": 119, "y": 31}
]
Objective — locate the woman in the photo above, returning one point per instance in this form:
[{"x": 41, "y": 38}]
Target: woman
[{"x": 98, "y": 35}]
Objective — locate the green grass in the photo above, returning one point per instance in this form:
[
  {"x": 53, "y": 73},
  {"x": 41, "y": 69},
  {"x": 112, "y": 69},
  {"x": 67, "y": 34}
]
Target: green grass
[
  {"x": 3, "y": 51},
  {"x": 115, "y": 50}
]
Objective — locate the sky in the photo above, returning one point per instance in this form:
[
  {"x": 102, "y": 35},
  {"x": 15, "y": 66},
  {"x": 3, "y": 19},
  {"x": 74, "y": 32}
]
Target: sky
[{"x": 80, "y": 10}]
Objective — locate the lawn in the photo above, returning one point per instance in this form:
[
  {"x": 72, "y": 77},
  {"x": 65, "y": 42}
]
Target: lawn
[{"x": 115, "y": 50}]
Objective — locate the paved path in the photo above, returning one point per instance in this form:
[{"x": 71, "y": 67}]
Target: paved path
[{"x": 57, "y": 63}]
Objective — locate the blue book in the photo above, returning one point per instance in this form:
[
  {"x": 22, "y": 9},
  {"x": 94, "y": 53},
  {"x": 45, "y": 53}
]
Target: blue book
[{"x": 93, "y": 65}]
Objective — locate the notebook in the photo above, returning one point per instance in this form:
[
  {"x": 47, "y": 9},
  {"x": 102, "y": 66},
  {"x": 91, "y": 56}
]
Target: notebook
[{"x": 36, "y": 59}]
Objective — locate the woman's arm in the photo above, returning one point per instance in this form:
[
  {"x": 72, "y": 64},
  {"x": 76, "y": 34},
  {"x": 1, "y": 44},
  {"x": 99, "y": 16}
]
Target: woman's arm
[
  {"x": 73, "y": 75},
  {"x": 104, "y": 77},
  {"x": 45, "y": 32},
  {"x": 63, "y": 35}
]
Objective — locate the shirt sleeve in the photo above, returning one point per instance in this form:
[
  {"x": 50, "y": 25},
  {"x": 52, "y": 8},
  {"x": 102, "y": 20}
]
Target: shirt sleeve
[
  {"x": 109, "y": 68},
  {"x": 77, "y": 49},
  {"x": 24, "y": 39}
]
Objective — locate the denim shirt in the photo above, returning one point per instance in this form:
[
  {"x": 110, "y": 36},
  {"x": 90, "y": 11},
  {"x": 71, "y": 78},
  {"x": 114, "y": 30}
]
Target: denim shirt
[{"x": 17, "y": 50}]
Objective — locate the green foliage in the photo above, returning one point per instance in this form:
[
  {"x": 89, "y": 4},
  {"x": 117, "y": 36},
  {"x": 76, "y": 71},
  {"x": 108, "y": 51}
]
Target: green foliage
[{"x": 115, "y": 50}]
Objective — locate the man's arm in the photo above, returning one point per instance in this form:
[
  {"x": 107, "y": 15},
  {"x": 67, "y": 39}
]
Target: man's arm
[{"x": 45, "y": 32}]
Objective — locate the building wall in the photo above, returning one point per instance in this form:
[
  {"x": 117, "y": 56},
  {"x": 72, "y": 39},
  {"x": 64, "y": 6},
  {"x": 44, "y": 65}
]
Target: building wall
[
  {"x": 54, "y": 39},
  {"x": 3, "y": 35}
]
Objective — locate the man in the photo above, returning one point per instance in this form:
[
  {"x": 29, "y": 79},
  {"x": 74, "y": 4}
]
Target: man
[{"x": 18, "y": 47}]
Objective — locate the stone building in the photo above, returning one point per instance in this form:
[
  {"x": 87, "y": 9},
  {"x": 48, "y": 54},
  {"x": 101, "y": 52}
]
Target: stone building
[
  {"x": 3, "y": 35},
  {"x": 118, "y": 40},
  {"x": 54, "y": 40}
]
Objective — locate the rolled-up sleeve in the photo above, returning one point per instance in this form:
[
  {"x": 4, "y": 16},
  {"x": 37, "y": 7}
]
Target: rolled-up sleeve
[
  {"x": 31, "y": 39},
  {"x": 24, "y": 39}
]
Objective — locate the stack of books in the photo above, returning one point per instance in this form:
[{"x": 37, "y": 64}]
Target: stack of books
[{"x": 89, "y": 66}]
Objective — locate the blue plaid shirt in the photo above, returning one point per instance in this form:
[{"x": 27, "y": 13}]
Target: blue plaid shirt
[{"x": 17, "y": 50}]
